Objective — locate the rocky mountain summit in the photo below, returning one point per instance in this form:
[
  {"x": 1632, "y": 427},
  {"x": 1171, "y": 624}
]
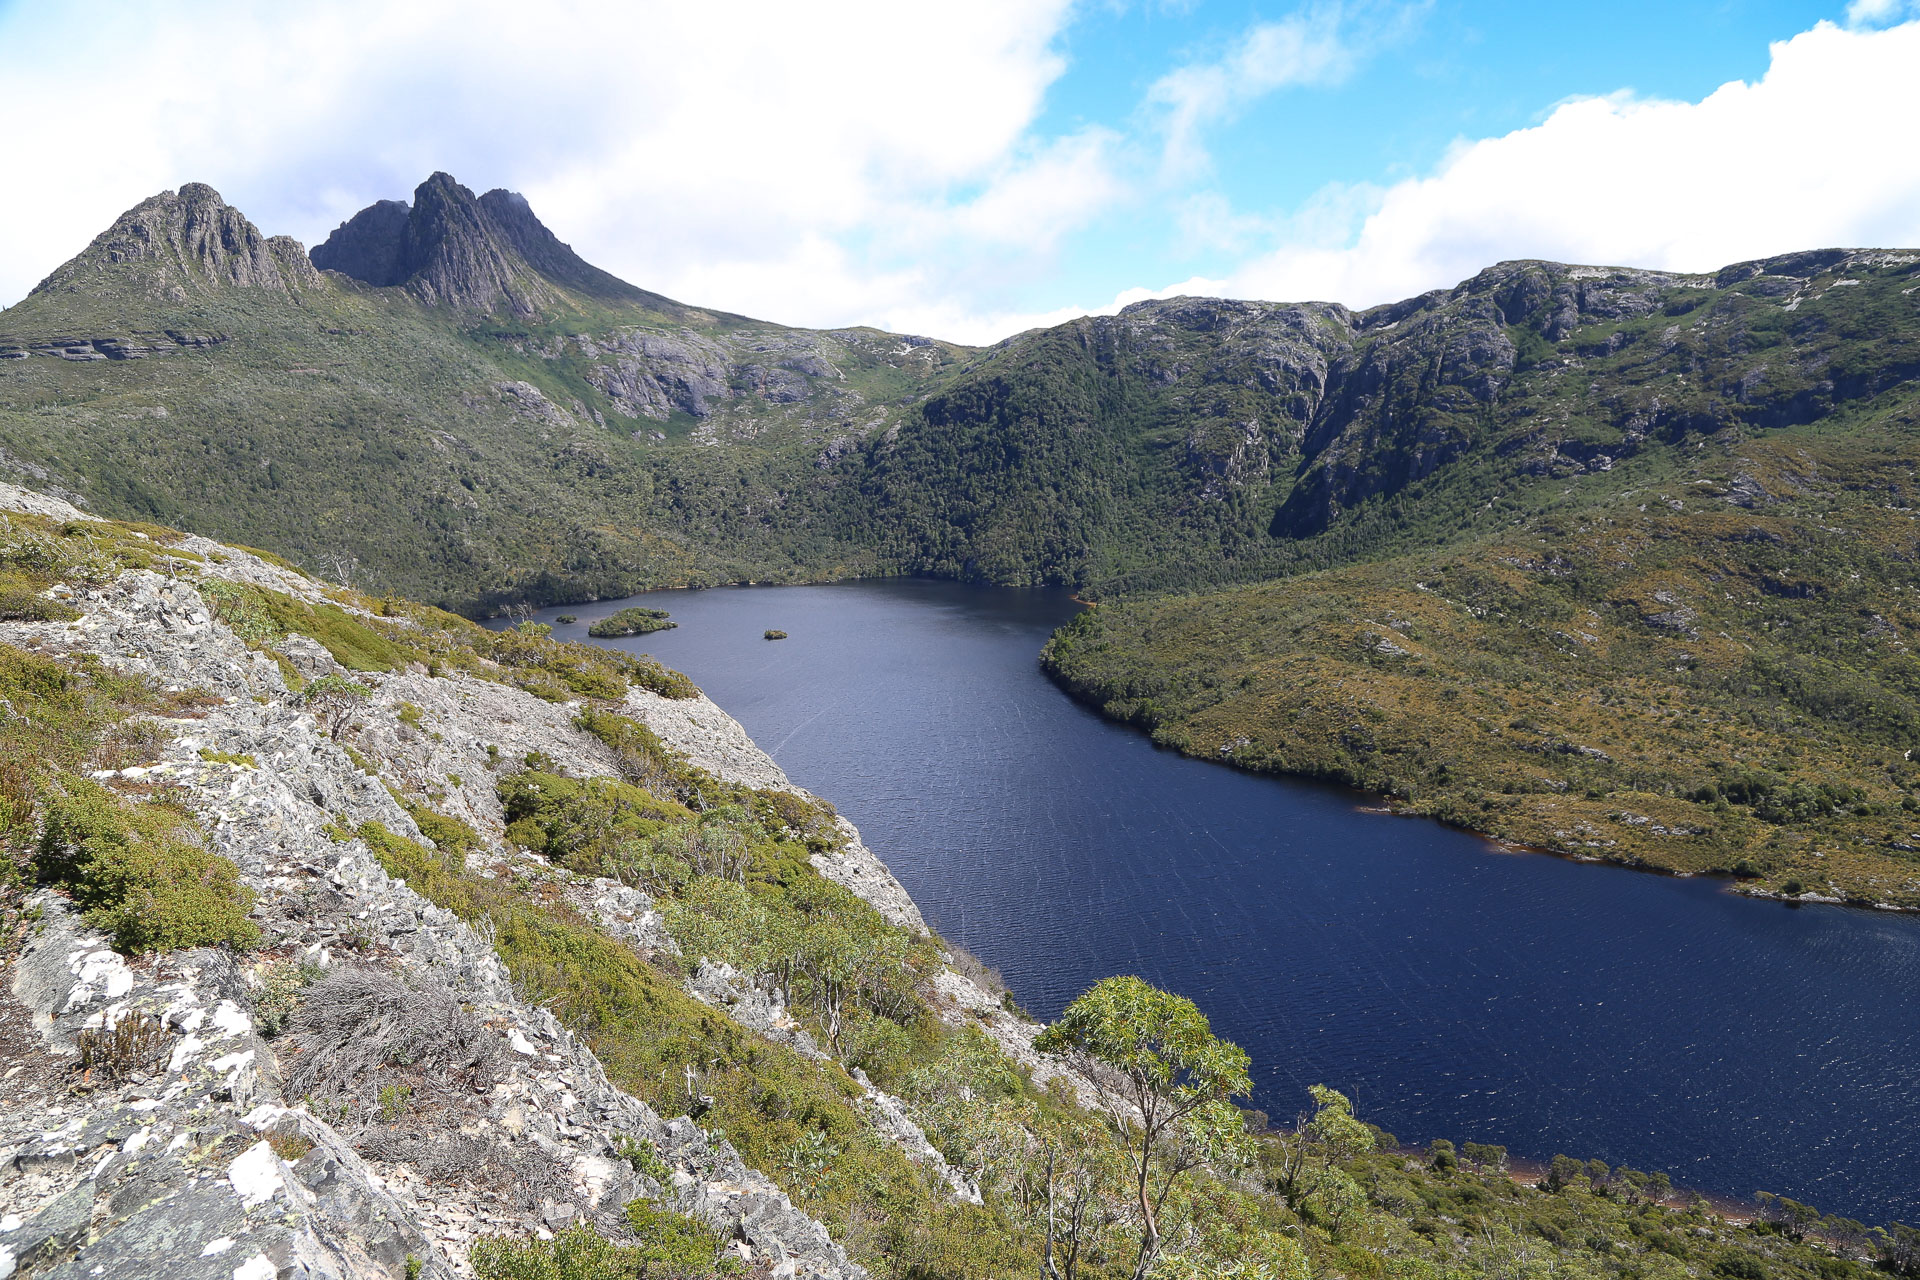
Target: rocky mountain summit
[
  {"x": 483, "y": 254},
  {"x": 179, "y": 245}
]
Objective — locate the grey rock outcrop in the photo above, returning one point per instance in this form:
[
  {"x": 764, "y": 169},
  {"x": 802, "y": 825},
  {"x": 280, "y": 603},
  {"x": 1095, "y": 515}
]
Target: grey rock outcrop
[
  {"x": 229, "y": 1151},
  {"x": 367, "y": 246},
  {"x": 453, "y": 249},
  {"x": 178, "y": 244},
  {"x": 206, "y": 1159}
]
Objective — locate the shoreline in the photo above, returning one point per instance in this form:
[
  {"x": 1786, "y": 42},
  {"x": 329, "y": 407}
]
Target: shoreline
[
  {"x": 1373, "y": 803},
  {"x": 1384, "y": 808},
  {"x": 1725, "y": 1203}
]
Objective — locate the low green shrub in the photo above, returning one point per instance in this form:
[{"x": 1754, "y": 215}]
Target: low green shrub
[
  {"x": 58, "y": 716},
  {"x": 453, "y": 838},
  {"x": 228, "y": 757},
  {"x": 21, "y": 600},
  {"x": 353, "y": 643},
  {"x": 672, "y": 1246},
  {"x": 136, "y": 872},
  {"x": 243, "y": 610}
]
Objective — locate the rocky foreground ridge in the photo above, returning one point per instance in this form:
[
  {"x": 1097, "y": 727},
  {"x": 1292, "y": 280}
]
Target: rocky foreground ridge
[{"x": 217, "y": 1158}]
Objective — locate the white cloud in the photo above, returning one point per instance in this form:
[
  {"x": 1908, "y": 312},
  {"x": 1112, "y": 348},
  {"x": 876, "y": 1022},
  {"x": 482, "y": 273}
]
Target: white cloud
[
  {"x": 1319, "y": 44},
  {"x": 733, "y": 146},
  {"x": 1866, "y": 13},
  {"x": 1813, "y": 154},
  {"x": 1306, "y": 47}
]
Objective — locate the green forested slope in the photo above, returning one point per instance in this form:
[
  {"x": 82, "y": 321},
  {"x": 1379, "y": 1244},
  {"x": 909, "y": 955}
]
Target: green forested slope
[
  {"x": 1700, "y": 661},
  {"x": 504, "y": 421}
]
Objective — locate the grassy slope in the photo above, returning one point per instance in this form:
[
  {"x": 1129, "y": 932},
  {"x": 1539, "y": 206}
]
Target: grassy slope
[{"x": 1638, "y": 670}]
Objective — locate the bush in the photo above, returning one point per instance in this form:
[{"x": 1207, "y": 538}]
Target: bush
[
  {"x": 353, "y": 643},
  {"x": 333, "y": 701},
  {"x": 54, "y": 716},
  {"x": 242, "y": 609},
  {"x": 22, "y": 602},
  {"x": 136, "y": 873},
  {"x": 672, "y": 1246},
  {"x": 354, "y": 1028},
  {"x": 452, "y": 838},
  {"x": 644, "y": 760}
]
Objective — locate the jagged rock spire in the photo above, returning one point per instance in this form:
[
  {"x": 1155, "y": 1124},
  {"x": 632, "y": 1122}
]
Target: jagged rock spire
[{"x": 451, "y": 248}]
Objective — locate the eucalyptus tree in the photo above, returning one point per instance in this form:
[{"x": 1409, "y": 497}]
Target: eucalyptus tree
[
  {"x": 1322, "y": 1139},
  {"x": 1162, "y": 1080}
]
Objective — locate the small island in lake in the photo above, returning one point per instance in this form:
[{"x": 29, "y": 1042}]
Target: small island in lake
[
  {"x": 565, "y": 617},
  {"x": 775, "y": 635},
  {"x": 630, "y": 622}
]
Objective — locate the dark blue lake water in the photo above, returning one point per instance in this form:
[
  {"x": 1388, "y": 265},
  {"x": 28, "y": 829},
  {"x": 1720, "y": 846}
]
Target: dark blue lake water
[{"x": 1453, "y": 990}]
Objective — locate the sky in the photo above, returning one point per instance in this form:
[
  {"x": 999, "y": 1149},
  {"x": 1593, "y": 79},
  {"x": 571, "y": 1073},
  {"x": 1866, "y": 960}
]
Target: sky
[{"x": 972, "y": 170}]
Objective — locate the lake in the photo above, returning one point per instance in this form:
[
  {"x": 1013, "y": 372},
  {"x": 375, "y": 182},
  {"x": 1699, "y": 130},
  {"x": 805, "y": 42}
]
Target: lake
[{"x": 1453, "y": 990}]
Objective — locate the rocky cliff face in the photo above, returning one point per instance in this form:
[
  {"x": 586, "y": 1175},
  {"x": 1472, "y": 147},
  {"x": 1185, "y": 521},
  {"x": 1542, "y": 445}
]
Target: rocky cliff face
[
  {"x": 207, "y": 1151},
  {"x": 183, "y": 243},
  {"x": 446, "y": 250},
  {"x": 451, "y": 249},
  {"x": 370, "y": 245}
]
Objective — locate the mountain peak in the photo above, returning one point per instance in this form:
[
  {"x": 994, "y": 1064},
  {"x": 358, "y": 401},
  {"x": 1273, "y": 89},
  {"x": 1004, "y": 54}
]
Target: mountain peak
[
  {"x": 451, "y": 248},
  {"x": 546, "y": 253},
  {"x": 177, "y": 244}
]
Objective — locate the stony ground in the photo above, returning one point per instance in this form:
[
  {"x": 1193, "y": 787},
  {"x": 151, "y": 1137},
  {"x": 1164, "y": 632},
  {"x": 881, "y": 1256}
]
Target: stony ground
[{"x": 223, "y": 1152}]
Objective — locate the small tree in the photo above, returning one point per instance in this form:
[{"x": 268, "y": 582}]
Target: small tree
[
  {"x": 1322, "y": 1139},
  {"x": 1564, "y": 1172},
  {"x": 1161, "y": 1077},
  {"x": 333, "y": 700},
  {"x": 1485, "y": 1157}
]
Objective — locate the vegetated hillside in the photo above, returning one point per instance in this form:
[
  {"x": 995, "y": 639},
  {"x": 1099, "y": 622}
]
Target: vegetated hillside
[
  {"x": 1700, "y": 661},
  {"x": 535, "y": 428},
  {"x": 501, "y": 424},
  {"x": 339, "y": 929},
  {"x": 1198, "y": 441}
]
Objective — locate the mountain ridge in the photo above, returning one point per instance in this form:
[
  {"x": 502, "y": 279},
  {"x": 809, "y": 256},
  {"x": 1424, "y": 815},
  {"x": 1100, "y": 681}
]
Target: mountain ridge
[{"x": 1182, "y": 441}]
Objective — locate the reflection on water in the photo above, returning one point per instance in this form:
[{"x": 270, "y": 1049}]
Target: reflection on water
[{"x": 1453, "y": 990}]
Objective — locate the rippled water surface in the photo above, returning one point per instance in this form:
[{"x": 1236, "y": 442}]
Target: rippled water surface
[{"x": 1453, "y": 990}]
